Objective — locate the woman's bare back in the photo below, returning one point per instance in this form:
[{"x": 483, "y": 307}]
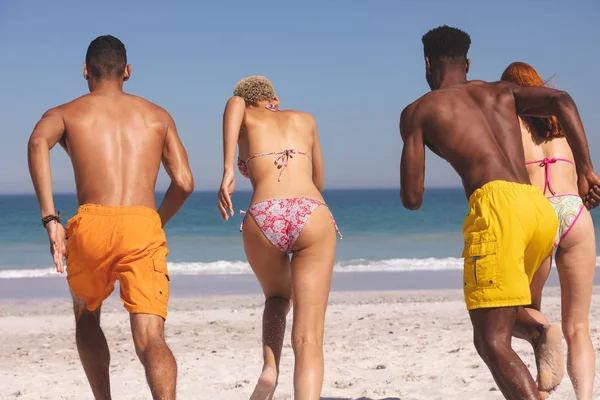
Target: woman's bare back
[
  {"x": 280, "y": 175},
  {"x": 562, "y": 175}
]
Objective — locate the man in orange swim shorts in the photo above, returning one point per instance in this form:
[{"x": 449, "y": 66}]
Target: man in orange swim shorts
[{"x": 116, "y": 142}]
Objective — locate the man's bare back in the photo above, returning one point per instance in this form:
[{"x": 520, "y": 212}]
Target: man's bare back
[
  {"x": 115, "y": 141},
  {"x": 474, "y": 126}
]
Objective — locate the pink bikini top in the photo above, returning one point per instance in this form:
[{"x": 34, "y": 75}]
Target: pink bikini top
[
  {"x": 546, "y": 164},
  {"x": 281, "y": 161}
]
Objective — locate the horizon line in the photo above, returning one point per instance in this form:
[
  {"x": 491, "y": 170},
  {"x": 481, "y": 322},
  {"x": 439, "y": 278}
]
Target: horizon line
[{"x": 162, "y": 191}]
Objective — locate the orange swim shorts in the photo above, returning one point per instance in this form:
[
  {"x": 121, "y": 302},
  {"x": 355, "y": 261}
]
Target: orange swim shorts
[{"x": 128, "y": 244}]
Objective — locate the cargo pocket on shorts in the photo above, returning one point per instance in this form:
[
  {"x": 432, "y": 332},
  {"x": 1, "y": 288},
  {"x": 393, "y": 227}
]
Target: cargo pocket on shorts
[
  {"x": 481, "y": 262},
  {"x": 161, "y": 280}
]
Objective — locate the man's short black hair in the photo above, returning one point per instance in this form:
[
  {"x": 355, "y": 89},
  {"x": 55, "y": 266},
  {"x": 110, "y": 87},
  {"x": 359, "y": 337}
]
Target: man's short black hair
[
  {"x": 446, "y": 41},
  {"x": 106, "y": 57}
]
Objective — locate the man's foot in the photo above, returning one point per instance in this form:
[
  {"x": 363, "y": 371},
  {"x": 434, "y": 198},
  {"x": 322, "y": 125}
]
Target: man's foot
[
  {"x": 544, "y": 395},
  {"x": 549, "y": 358},
  {"x": 265, "y": 387}
]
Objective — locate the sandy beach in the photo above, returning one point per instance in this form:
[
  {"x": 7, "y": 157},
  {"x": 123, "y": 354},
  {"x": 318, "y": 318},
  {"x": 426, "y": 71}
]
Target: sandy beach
[{"x": 379, "y": 345}]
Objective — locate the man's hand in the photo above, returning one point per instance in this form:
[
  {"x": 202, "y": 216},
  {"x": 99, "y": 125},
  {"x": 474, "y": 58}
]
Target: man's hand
[
  {"x": 225, "y": 193},
  {"x": 589, "y": 189},
  {"x": 56, "y": 236}
]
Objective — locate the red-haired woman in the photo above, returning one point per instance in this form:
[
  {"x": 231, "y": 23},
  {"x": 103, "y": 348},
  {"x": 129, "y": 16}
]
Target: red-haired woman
[{"x": 550, "y": 166}]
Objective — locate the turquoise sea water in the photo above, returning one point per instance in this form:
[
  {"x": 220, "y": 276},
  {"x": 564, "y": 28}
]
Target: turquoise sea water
[{"x": 379, "y": 234}]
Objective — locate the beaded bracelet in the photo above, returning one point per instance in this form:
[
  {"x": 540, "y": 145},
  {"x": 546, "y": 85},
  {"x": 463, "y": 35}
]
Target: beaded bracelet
[
  {"x": 49, "y": 218},
  {"x": 52, "y": 217}
]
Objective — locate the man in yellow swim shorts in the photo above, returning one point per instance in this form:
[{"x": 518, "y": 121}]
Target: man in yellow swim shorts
[
  {"x": 510, "y": 227},
  {"x": 116, "y": 143}
]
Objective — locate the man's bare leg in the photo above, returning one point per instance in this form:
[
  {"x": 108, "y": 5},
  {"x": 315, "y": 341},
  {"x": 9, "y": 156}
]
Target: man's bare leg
[
  {"x": 546, "y": 340},
  {"x": 155, "y": 355},
  {"x": 92, "y": 348},
  {"x": 492, "y": 329}
]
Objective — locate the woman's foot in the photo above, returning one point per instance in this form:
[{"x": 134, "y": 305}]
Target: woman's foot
[
  {"x": 265, "y": 387},
  {"x": 549, "y": 358}
]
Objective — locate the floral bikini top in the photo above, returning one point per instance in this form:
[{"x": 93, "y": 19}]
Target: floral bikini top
[{"x": 281, "y": 161}]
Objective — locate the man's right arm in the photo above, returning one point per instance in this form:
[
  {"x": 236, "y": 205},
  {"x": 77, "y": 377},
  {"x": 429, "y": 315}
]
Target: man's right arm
[
  {"x": 176, "y": 164},
  {"x": 412, "y": 163}
]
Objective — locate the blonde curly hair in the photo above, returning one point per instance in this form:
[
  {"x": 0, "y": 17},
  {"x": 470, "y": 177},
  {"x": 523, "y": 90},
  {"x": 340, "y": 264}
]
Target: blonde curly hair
[{"x": 254, "y": 89}]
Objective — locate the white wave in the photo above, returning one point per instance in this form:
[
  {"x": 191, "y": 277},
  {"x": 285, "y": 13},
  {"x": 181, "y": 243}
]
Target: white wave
[
  {"x": 29, "y": 273},
  {"x": 242, "y": 267},
  {"x": 209, "y": 268}
]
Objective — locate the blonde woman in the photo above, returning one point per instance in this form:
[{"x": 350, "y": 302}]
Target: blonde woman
[{"x": 279, "y": 152}]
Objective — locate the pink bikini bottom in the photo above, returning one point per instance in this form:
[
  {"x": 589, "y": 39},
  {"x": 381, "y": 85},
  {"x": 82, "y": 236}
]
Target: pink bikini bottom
[{"x": 282, "y": 220}]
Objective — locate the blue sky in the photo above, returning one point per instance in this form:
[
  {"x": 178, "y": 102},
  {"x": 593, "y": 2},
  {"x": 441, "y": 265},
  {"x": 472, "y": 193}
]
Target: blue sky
[{"x": 353, "y": 64}]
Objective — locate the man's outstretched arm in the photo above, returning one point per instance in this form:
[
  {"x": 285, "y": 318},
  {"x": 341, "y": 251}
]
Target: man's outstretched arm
[
  {"x": 546, "y": 102},
  {"x": 412, "y": 164},
  {"x": 176, "y": 164}
]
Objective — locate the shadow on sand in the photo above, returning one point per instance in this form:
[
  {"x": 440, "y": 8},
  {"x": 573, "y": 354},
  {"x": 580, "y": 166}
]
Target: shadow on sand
[{"x": 359, "y": 398}]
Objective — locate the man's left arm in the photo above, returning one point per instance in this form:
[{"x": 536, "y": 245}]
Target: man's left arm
[
  {"x": 545, "y": 102},
  {"x": 46, "y": 134},
  {"x": 412, "y": 164}
]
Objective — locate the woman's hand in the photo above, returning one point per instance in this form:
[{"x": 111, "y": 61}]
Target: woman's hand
[{"x": 225, "y": 193}]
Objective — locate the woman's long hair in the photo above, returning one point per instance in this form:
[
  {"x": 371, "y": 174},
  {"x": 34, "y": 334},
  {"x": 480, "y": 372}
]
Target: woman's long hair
[{"x": 525, "y": 75}]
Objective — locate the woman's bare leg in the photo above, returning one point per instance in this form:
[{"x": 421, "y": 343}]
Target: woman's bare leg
[
  {"x": 538, "y": 282},
  {"x": 576, "y": 264},
  {"x": 312, "y": 267},
  {"x": 530, "y": 320},
  {"x": 272, "y": 268}
]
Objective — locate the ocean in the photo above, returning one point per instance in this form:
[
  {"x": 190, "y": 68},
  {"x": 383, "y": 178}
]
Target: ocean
[{"x": 379, "y": 234}]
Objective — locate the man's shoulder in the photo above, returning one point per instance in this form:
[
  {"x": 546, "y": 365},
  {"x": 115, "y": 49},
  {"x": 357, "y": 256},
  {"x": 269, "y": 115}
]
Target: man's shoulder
[
  {"x": 152, "y": 111},
  {"x": 65, "y": 107},
  {"x": 495, "y": 86},
  {"x": 153, "y": 107},
  {"x": 419, "y": 106}
]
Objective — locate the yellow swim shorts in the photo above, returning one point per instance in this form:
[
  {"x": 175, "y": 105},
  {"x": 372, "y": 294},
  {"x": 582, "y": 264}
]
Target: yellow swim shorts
[
  {"x": 128, "y": 244},
  {"x": 509, "y": 231}
]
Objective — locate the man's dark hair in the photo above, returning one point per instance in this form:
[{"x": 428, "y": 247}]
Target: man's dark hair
[
  {"x": 106, "y": 57},
  {"x": 446, "y": 41}
]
